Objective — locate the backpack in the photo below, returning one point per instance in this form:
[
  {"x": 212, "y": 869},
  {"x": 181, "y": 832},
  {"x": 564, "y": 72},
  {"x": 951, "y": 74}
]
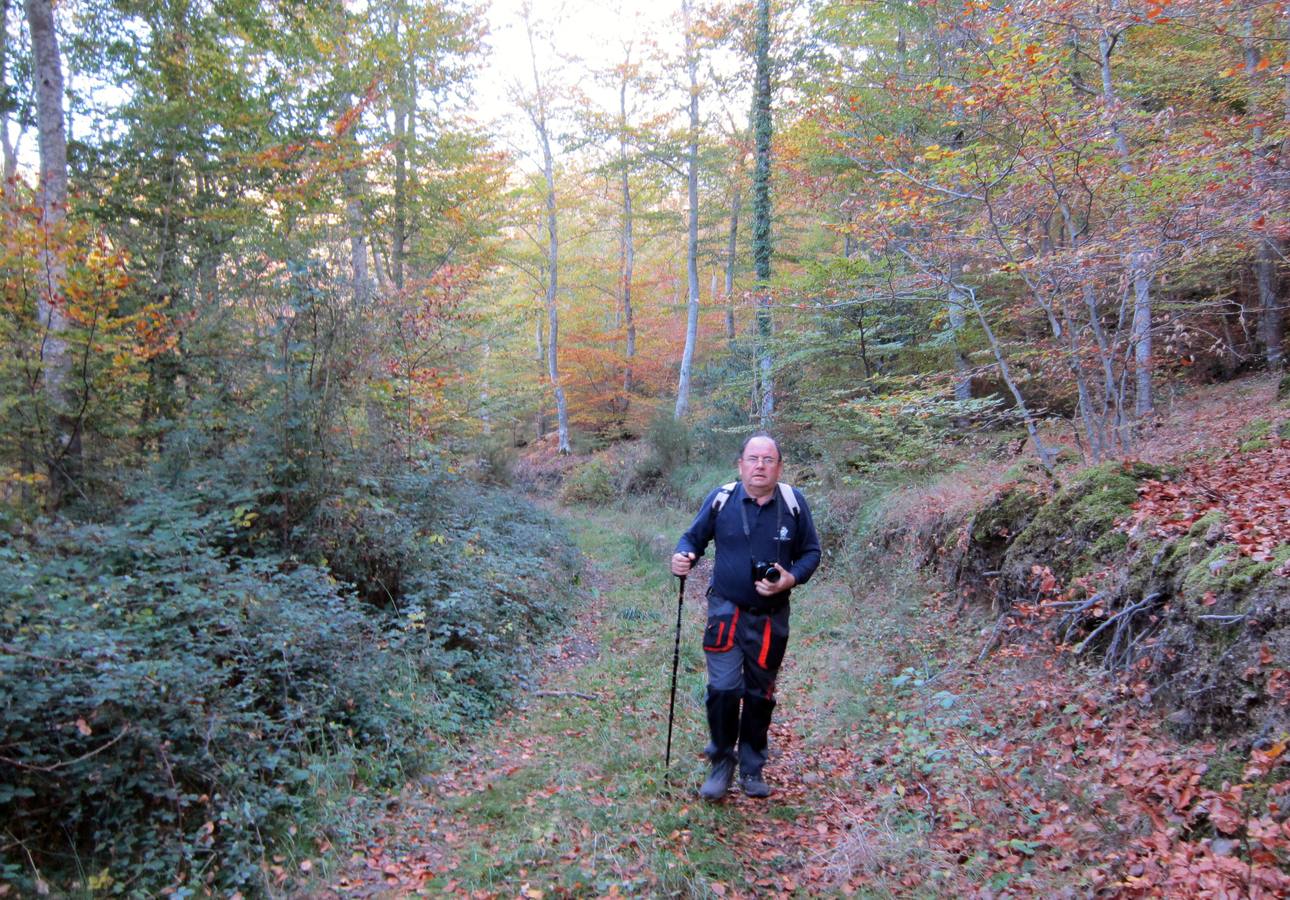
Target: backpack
[{"x": 785, "y": 491}]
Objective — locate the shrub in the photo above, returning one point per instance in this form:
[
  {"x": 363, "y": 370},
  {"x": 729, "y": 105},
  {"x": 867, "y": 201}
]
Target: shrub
[
  {"x": 589, "y": 483},
  {"x": 160, "y": 702},
  {"x": 670, "y": 440},
  {"x": 670, "y": 443},
  {"x": 170, "y": 702},
  {"x": 497, "y": 463}
]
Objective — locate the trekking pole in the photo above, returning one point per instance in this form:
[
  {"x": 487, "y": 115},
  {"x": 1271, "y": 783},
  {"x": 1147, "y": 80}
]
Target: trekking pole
[{"x": 676, "y": 657}]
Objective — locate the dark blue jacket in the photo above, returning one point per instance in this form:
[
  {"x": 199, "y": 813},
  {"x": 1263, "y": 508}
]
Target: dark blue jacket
[{"x": 796, "y": 546}]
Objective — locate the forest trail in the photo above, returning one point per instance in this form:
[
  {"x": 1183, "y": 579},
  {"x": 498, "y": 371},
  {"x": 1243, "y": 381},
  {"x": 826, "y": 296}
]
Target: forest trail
[
  {"x": 566, "y": 794},
  {"x": 922, "y": 747}
]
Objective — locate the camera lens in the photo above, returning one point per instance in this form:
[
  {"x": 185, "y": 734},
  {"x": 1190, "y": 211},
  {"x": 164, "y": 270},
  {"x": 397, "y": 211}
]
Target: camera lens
[{"x": 771, "y": 573}]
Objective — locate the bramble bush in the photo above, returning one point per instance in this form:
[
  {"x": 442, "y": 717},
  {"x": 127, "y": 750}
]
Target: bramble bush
[
  {"x": 173, "y": 698},
  {"x": 589, "y": 483}
]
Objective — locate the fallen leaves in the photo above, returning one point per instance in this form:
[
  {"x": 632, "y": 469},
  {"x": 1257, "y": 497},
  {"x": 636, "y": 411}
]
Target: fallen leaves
[{"x": 1250, "y": 489}]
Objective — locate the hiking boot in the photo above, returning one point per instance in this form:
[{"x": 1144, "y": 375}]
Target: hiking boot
[
  {"x": 723, "y": 771},
  {"x": 754, "y": 785}
]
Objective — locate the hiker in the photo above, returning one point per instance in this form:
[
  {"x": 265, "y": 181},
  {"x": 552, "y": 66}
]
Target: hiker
[{"x": 766, "y": 546}]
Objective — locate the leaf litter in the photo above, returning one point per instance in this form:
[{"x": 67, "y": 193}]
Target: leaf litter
[{"x": 1039, "y": 777}]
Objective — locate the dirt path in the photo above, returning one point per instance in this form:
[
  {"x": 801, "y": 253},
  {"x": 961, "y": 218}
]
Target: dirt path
[
  {"x": 904, "y": 764},
  {"x": 566, "y": 796}
]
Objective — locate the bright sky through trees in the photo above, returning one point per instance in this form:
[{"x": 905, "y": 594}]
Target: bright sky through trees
[{"x": 587, "y": 36}]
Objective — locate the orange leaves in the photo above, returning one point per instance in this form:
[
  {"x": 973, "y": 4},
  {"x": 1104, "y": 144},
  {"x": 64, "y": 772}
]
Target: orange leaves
[{"x": 1251, "y": 489}]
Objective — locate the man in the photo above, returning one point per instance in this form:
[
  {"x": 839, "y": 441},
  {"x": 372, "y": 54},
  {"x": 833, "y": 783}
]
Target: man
[{"x": 766, "y": 546}]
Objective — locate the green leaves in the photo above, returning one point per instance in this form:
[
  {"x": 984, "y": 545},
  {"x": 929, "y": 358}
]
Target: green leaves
[{"x": 161, "y": 671}]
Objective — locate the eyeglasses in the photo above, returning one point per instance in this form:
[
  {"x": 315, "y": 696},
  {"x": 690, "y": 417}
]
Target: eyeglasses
[{"x": 765, "y": 460}]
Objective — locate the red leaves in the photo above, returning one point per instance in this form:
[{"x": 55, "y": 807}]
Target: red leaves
[{"x": 1252, "y": 490}]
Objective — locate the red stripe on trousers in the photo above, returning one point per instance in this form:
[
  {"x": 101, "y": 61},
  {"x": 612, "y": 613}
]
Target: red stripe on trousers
[{"x": 765, "y": 644}]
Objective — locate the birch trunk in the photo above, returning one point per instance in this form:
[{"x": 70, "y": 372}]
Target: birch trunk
[
  {"x": 958, "y": 318},
  {"x": 761, "y": 236},
  {"x": 628, "y": 242},
  {"x": 1140, "y": 258},
  {"x": 692, "y": 249},
  {"x": 539, "y": 117},
  {"x": 404, "y": 130},
  {"x": 64, "y": 457},
  {"x": 10, "y": 170},
  {"x": 1045, "y": 455}
]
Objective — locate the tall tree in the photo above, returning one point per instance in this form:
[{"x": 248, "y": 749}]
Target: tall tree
[
  {"x": 761, "y": 233},
  {"x": 1269, "y": 249},
  {"x": 538, "y": 115},
  {"x": 692, "y": 194},
  {"x": 627, "y": 252},
  {"x": 64, "y": 455},
  {"x": 9, "y": 98},
  {"x": 1140, "y": 258}
]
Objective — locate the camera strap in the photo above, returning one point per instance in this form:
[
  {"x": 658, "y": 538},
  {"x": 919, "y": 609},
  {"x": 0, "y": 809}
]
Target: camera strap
[{"x": 779, "y": 523}]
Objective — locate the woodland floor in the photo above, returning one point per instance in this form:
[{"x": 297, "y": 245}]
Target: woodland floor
[{"x": 906, "y": 763}]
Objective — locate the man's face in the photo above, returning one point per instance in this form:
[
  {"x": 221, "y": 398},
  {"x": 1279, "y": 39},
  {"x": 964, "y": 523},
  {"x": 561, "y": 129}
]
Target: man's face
[{"x": 759, "y": 466}]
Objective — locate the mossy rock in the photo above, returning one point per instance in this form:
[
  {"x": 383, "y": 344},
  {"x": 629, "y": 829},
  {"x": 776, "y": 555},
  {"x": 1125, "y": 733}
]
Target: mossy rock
[
  {"x": 1157, "y": 564},
  {"x": 1227, "y": 577},
  {"x": 1007, "y": 514},
  {"x": 1283, "y": 388},
  {"x": 1283, "y": 430},
  {"x": 1228, "y": 616},
  {"x": 1075, "y": 530},
  {"x": 993, "y": 529}
]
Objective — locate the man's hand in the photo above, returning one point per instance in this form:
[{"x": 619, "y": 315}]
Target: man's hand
[
  {"x": 681, "y": 563},
  {"x": 771, "y": 588}
]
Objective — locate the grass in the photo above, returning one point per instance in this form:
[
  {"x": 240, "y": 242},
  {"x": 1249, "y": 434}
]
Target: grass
[
  {"x": 572, "y": 796},
  {"x": 879, "y": 704}
]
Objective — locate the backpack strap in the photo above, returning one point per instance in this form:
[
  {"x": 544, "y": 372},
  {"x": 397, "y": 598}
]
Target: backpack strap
[
  {"x": 723, "y": 494},
  {"x": 785, "y": 491}
]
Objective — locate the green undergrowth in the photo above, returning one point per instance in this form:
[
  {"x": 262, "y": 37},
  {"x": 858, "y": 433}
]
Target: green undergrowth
[
  {"x": 185, "y": 707},
  {"x": 592, "y": 809}
]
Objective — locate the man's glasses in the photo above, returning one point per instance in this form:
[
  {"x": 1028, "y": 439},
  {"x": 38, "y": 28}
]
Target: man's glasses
[{"x": 765, "y": 460}]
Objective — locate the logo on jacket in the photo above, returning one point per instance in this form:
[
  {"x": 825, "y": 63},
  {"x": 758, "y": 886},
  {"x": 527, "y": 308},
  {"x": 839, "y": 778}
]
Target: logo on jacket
[{"x": 783, "y": 532}]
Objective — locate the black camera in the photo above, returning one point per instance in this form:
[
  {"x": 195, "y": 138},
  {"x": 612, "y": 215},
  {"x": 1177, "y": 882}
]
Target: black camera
[{"x": 764, "y": 571}]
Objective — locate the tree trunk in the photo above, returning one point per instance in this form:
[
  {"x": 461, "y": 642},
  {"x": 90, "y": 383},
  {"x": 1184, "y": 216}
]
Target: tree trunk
[
  {"x": 1140, "y": 258},
  {"x": 539, "y": 117},
  {"x": 404, "y": 110},
  {"x": 692, "y": 249},
  {"x": 539, "y": 418},
  {"x": 351, "y": 179},
  {"x": 1265, "y": 265},
  {"x": 628, "y": 243},
  {"x": 736, "y": 202},
  {"x": 63, "y": 458},
  {"x": 761, "y": 233},
  {"x": 10, "y": 166},
  {"x": 958, "y": 318},
  {"x": 1045, "y": 455}
]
